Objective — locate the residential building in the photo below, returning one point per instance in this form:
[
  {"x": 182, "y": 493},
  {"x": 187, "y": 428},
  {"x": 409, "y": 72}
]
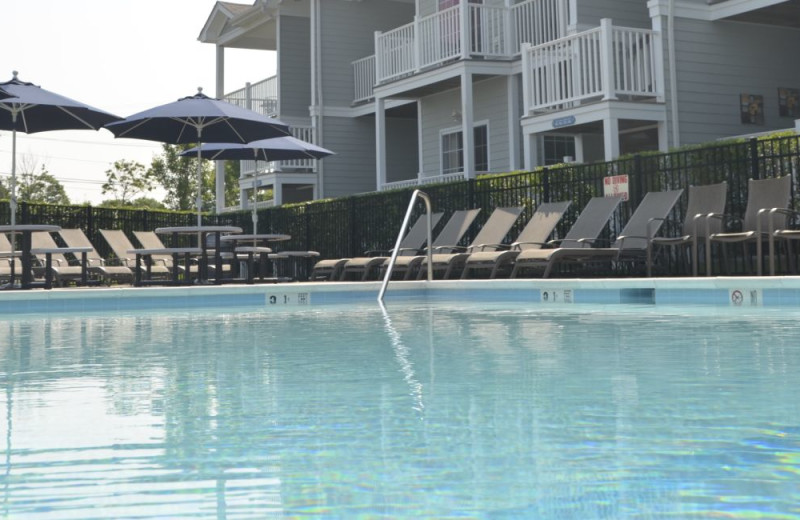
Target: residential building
[{"x": 408, "y": 92}]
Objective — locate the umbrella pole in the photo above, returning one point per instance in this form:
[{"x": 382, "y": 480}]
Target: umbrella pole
[
  {"x": 199, "y": 200},
  {"x": 12, "y": 204},
  {"x": 255, "y": 199}
]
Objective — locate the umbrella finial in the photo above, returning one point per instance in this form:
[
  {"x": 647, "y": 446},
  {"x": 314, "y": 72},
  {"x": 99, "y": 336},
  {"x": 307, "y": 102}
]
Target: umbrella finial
[
  {"x": 14, "y": 73},
  {"x": 199, "y": 90}
]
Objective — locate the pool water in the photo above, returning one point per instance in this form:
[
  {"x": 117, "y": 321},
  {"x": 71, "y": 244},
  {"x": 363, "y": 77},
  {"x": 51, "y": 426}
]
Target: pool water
[{"x": 419, "y": 411}]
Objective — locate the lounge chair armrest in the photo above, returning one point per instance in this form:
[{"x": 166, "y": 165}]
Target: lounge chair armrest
[
  {"x": 491, "y": 247},
  {"x": 518, "y": 245},
  {"x": 452, "y": 249},
  {"x": 412, "y": 250},
  {"x": 779, "y": 211},
  {"x": 593, "y": 242},
  {"x": 377, "y": 252},
  {"x": 622, "y": 238},
  {"x": 725, "y": 218}
]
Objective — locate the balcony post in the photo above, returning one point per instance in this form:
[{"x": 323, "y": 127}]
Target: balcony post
[
  {"x": 607, "y": 59},
  {"x": 465, "y": 29},
  {"x": 417, "y": 46},
  {"x": 467, "y": 125},
  {"x": 378, "y": 58},
  {"x": 526, "y": 78},
  {"x": 512, "y": 39},
  {"x": 380, "y": 143}
]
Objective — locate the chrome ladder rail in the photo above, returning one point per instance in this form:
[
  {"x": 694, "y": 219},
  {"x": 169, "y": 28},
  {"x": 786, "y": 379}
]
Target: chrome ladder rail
[{"x": 424, "y": 196}]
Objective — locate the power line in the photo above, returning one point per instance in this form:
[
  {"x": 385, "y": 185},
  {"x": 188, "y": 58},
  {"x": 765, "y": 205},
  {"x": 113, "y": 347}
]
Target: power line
[{"x": 130, "y": 144}]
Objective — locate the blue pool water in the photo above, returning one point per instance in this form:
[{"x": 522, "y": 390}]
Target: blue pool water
[{"x": 425, "y": 411}]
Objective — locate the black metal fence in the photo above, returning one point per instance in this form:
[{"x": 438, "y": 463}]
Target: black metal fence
[{"x": 350, "y": 225}]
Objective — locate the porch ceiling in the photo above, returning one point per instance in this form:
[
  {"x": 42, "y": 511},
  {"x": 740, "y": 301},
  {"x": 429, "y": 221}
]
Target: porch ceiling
[{"x": 784, "y": 14}]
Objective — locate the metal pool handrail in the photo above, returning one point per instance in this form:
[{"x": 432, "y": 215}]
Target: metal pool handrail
[{"x": 424, "y": 196}]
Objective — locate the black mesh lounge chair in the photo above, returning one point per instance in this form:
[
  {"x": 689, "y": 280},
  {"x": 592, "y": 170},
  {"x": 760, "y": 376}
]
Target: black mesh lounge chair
[
  {"x": 583, "y": 234},
  {"x": 491, "y": 234},
  {"x": 533, "y": 236},
  {"x": 452, "y": 232},
  {"x": 121, "y": 246},
  {"x": 96, "y": 263},
  {"x": 702, "y": 201},
  {"x": 411, "y": 244},
  {"x": 762, "y": 197}
]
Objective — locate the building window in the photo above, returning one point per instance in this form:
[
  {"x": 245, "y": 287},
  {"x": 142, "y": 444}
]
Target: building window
[
  {"x": 556, "y": 147},
  {"x": 453, "y": 145}
]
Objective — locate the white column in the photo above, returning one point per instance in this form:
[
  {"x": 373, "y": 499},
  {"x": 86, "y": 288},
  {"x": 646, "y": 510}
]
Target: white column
[
  {"x": 420, "y": 160},
  {"x": 512, "y": 88},
  {"x": 467, "y": 125},
  {"x": 663, "y": 137},
  {"x": 465, "y": 29},
  {"x": 380, "y": 142},
  {"x": 219, "y": 175},
  {"x": 607, "y": 59},
  {"x": 611, "y": 138},
  {"x": 277, "y": 191}
]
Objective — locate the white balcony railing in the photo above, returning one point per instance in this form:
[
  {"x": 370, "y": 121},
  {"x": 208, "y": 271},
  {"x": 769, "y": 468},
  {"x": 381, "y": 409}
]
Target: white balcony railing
[
  {"x": 603, "y": 63},
  {"x": 491, "y": 31},
  {"x": 364, "y": 78},
  {"x": 261, "y": 96}
]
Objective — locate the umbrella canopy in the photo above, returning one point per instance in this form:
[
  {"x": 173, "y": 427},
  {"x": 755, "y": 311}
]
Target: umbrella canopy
[
  {"x": 199, "y": 119},
  {"x": 4, "y": 94},
  {"x": 275, "y": 149},
  {"x": 33, "y": 109}
]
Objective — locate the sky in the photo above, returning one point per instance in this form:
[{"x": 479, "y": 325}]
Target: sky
[{"x": 121, "y": 56}]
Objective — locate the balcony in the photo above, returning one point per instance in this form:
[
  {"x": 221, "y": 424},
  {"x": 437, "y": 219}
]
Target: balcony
[
  {"x": 261, "y": 96},
  {"x": 465, "y": 31},
  {"x": 605, "y": 63}
]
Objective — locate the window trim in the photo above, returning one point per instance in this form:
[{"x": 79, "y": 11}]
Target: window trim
[{"x": 457, "y": 130}]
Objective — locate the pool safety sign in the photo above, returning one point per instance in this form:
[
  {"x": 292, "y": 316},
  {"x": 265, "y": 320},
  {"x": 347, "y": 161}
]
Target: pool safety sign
[
  {"x": 280, "y": 299},
  {"x": 615, "y": 186},
  {"x": 745, "y": 297}
]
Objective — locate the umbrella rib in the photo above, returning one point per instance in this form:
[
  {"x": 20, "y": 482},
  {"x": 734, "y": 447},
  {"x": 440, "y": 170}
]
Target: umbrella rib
[{"x": 78, "y": 118}]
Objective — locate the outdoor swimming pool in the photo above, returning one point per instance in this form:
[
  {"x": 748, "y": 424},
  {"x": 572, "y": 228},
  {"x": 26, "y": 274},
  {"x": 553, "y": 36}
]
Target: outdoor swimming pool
[{"x": 442, "y": 410}]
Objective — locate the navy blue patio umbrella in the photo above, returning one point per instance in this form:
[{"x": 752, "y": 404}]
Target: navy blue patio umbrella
[
  {"x": 32, "y": 109},
  {"x": 286, "y": 148},
  {"x": 199, "y": 119}
]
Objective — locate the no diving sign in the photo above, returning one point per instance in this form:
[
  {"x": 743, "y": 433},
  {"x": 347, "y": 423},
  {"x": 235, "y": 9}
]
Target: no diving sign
[{"x": 616, "y": 186}]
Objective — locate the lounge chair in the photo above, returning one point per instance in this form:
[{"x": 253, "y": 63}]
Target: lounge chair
[
  {"x": 150, "y": 240},
  {"x": 533, "y": 236},
  {"x": 702, "y": 201},
  {"x": 121, "y": 246},
  {"x": 411, "y": 245},
  {"x": 452, "y": 232},
  {"x": 5, "y": 259},
  {"x": 488, "y": 238},
  {"x": 61, "y": 270},
  {"x": 337, "y": 269},
  {"x": 96, "y": 263},
  {"x": 762, "y": 197},
  {"x": 584, "y": 233}
]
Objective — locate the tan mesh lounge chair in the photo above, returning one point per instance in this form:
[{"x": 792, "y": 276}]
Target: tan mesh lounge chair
[
  {"x": 121, "y": 246},
  {"x": 411, "y": 245},
  {"x": 631, "y": 243},
  {"x": 61, "y": 270},
  {"x": 452, "y": 232},
  {"x": 97, "y": 264},
  {"x": 5, "y": 261},
  {"x": 583, "y": 234},
  {"x": 702, "y": 201},
  {"x": 150, "y": 240},
  {"x": 763, "y": 196},
  {"x": 491, "y": 234},
  {"x": 533, "y": 236}
]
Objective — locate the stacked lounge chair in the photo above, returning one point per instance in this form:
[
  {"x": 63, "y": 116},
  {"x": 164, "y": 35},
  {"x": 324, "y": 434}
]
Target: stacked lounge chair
[{"x": 96, "y": 264}]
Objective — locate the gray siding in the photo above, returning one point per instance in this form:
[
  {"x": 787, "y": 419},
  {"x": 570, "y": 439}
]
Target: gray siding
[
  {"x": 402, "y": 152},
  {"x": 294, "y": 66},
  {"x": 352, "y": 169},
  {"x": 490, "y": 104},
  {"x": 348, "y": 34},
  {"x": 717, "y": 62},
  {"x": 624, "y": 13}
]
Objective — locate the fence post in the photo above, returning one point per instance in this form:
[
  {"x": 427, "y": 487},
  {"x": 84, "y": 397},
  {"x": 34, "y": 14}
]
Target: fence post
[
  {"x": 89, "y": 221},
  {"x": 352, "y": 226},
  {"x": 546, "y": 184},
  {"x": 24, "y": 216},
  {"x": 754, "y": 158},
  {"x": 639, "y": 175},
  {"x": 471, "y": 193}
]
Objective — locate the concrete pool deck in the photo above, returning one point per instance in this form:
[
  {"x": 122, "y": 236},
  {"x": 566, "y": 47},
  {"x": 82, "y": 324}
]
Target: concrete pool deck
[{"x": 716, "y": 291}]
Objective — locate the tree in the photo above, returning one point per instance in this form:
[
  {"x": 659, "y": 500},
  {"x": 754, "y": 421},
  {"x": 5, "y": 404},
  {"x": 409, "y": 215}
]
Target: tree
[
  {"x": 38, "y": 187},
  {"x": 126, "y": 180},
  {"x": 178, "y": 176},
  {"x": 139, "y": 203}
]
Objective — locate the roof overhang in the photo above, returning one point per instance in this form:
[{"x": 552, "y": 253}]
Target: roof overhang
[{"x": 241, "y": 26}]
